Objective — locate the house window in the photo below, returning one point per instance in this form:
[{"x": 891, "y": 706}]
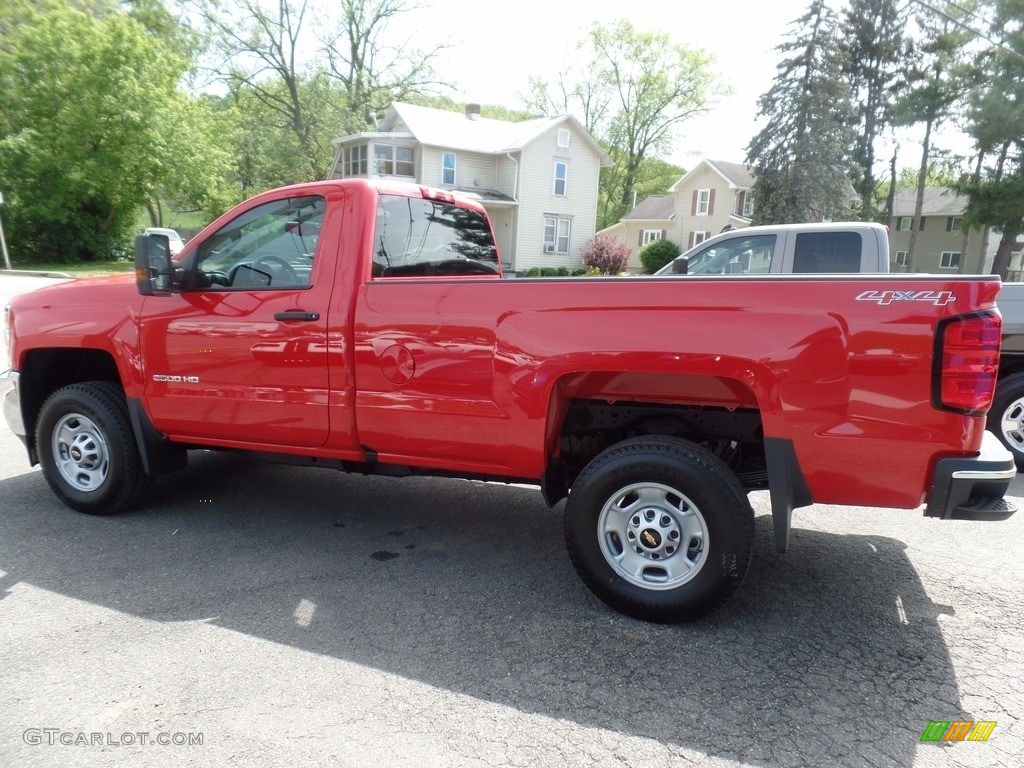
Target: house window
[
  {"x": 949, "y": 260},
  {"x": 448, "y": 169},
  {"x": 703, "y": 201},
  {"x": 748, "y": 206},
  {"x": 903, "y": 223},
  {"x": 557, "y": 233},
  {"x": 901, "y": 258},
  {"x": 389, "y": 160},
  {"x": 384, "y": 159},
  {"x": 650, "y": 235},
  {"x": 563, "y": 138},
  {"x": 404, "y": 164},
  {"x": 699, "y": 237},
  {"x": 353, "y": 161},
  {"x": 561, "y": 174},
  {"x": 954, "y": 224}
]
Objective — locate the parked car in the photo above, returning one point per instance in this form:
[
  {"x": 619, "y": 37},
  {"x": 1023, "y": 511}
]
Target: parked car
[{"x": 172, "y": 236}]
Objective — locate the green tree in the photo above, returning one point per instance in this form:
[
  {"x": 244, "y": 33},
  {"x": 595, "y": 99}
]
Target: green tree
[
  {"x": 937, "y": 82},
  {"x": 373, "y": 74},
  {"x": 801, "y": 158},
  {"x": 996, "y": 122},
  {"x": 631, "y": 90},
  {"x": 874, "y": 70},
  {"x": 88, "y": 118},
  {"x": 302, "y": 72}
]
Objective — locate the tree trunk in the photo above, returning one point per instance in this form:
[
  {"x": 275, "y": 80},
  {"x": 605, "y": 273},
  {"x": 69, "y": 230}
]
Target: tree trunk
[
  {"x": 922, "y": 180},
  {"x": 965, "y": 242},
  {"x": 1001, "y": 263}
]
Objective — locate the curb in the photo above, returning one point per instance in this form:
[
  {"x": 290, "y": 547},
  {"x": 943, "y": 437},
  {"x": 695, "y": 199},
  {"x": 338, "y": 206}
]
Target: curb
[{"x": 34, "y": 273}]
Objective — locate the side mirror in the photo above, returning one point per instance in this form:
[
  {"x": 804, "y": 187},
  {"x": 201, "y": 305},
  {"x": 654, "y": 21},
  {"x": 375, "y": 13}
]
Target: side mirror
[
  {"x": 679, "y": 267},
  {"x": 153, "y": 267}
]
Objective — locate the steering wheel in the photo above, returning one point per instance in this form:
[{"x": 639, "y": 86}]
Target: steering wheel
[{"x": 276, "y": 267}]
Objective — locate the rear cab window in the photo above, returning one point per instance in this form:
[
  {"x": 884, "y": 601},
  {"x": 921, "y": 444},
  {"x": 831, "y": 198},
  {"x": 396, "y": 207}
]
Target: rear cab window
[
  {"x": 430, "y": 238},
  {"x": 827, "y": 252}
]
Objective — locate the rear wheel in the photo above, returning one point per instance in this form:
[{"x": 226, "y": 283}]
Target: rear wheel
[
  {"x": 1006, "y": 417},
  {"x": 87, "y": 449},
  {"x": 659, "y": 528}
]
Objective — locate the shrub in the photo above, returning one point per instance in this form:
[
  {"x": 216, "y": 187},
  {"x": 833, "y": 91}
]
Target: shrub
[
  {"x": 552, "y": 272},
  {"x": 606, "y": 254},
  {"x": 657, "y": 254}
]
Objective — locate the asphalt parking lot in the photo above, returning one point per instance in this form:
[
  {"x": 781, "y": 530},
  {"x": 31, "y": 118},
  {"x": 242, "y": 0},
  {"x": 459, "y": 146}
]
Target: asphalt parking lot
[{"x": 263, "y": 615}]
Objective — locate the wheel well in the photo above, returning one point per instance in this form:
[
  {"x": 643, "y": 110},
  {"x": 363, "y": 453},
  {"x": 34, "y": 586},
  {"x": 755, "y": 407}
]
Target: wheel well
[
  {"x": 590, "y": 426},
  {"x": 1010, "y": 364},
  {"x": 47, "y": 370}
]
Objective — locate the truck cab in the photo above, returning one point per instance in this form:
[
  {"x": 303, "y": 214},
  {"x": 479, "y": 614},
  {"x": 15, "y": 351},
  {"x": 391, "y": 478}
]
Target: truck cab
[{"x": 829, "y": 248}]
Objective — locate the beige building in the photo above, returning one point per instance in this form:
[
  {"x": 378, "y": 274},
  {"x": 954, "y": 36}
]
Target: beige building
[
  {"x": 538, "y": 179},
  {"x": 942, "y": 247},
  {"x": 715, "y": 195}
]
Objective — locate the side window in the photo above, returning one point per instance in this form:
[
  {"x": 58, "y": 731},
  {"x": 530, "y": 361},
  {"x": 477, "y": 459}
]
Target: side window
[
  {"x": 448, "y": 169},
  {"x": 267, "y": 247},
  {"x": 825, "y": 252},
  {"x": 750, "y": 255},
  {"x": 428, "y": 238},
  {"x": 561, "y": 175}
]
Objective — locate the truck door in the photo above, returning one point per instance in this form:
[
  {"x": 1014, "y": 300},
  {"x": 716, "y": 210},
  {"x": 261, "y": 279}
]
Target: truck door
[{"x": 241, "y": 353}]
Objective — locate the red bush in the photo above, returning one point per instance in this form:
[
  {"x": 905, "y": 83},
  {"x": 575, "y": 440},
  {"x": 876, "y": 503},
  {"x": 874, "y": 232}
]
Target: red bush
[{"x": 606, "y": 254}]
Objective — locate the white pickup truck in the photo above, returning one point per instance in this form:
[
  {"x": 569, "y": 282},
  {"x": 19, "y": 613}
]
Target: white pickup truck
[
  {"x": 829, "y": 248},
  {"x": 1006, "y": 417}
]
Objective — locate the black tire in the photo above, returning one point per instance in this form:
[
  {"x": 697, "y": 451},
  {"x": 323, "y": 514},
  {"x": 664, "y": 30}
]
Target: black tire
[
  {"x": 659, "y": 529},
  {"x": 1006, "y": 417},
  {"x": 87, "y": 450}
]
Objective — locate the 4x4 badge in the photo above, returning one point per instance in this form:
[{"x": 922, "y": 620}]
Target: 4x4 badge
[{"x": 884, "y": 298}]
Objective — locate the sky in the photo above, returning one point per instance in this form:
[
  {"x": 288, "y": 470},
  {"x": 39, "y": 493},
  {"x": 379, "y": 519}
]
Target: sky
[{"x": 497, "y": 47}]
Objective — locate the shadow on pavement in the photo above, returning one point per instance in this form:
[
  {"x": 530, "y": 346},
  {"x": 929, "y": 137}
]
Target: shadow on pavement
[{"x": 831, "y": 655}]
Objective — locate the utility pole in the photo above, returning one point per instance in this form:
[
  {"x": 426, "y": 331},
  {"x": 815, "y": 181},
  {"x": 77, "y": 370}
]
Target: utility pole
[{"x": 3, "y": 242}]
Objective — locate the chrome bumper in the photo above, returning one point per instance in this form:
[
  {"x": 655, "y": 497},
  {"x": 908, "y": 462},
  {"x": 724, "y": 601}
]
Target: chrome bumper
[{"x": 12, "y": 403}]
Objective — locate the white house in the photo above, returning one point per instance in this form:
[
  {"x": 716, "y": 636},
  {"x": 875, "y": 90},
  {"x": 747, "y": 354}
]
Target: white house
[{"x": 538, "y": 179}]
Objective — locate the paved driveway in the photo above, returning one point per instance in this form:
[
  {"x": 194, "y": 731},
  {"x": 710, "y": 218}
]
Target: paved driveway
[{"x": 290, "y": 616}]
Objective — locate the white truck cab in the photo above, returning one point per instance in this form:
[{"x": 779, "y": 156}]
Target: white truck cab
[{"x": 829, "y": 248}]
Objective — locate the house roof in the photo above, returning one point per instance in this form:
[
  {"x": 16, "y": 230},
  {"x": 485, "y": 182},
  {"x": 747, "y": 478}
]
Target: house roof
[
  {"x": 938, "y": 201},
  {"x": 654, "y": 208},
  {"x": 454, "y": 130},
  {"x": 736, "y": 174}
]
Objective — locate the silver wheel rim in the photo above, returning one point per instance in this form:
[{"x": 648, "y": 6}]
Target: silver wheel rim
[
  {"x": 80, "y": 452},
  {"x": 653, "y": 536},
  {"x": 1012, "y": 424}
]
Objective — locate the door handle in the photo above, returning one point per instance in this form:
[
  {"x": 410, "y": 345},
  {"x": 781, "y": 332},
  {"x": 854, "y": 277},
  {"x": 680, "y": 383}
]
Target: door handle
[{"x": 296, "y": 314}]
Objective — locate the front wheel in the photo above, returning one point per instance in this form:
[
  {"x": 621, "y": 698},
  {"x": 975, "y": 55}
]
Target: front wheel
[
  {"x": 659, "y": 529},
  {"x": 1006, "y": 417},
  {"x": 87, "y": 449}
]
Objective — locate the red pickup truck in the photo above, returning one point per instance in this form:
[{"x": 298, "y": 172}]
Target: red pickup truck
[{"x": 366, "y": 326}]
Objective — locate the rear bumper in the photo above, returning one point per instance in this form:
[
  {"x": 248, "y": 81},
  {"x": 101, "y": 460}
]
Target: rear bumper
[{"x": 973, "y": 488}]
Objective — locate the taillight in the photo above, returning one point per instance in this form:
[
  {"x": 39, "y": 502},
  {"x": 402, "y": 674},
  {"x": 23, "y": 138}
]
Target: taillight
[{"x": 967, "y": 363}]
